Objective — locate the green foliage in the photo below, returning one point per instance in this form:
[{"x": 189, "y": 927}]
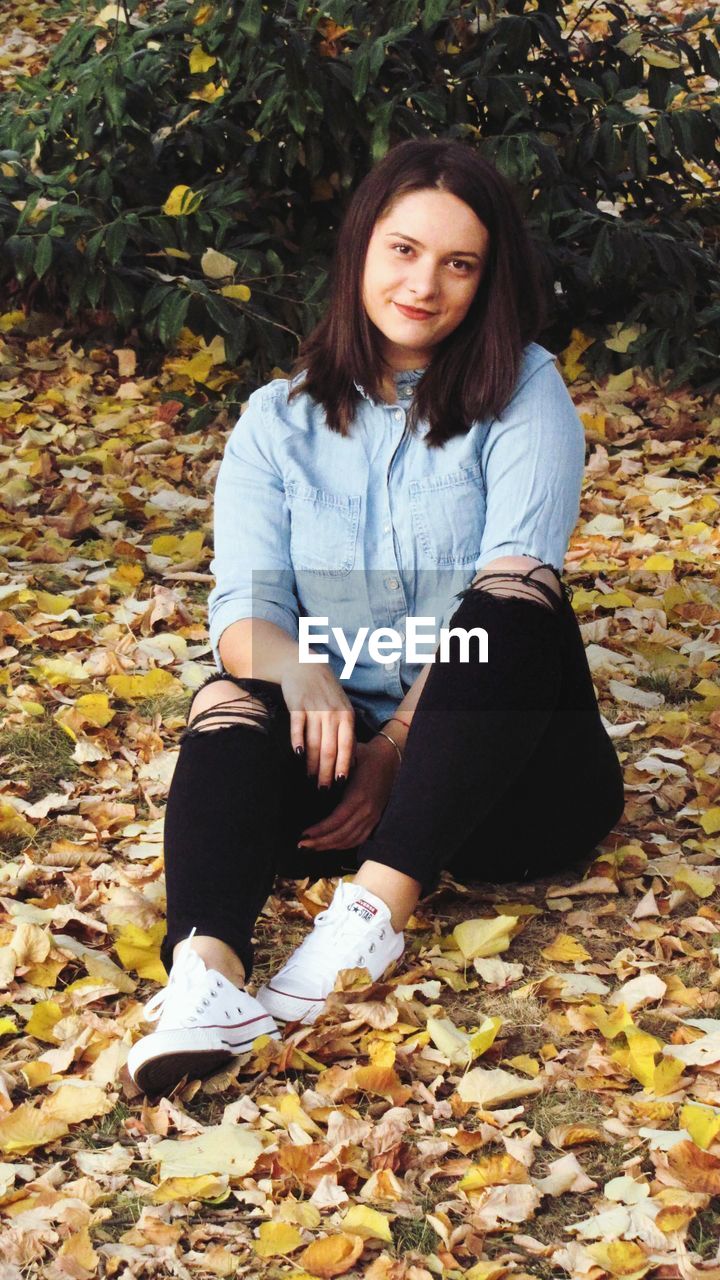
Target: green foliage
[{"x": 270, "y": 114}]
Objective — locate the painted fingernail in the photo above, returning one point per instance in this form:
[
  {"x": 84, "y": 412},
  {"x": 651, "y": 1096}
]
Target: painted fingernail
[
  {"x": 323, "y": 786},
  {"x": 299, "y": 751},
  {"x": 340, "y": 777}
]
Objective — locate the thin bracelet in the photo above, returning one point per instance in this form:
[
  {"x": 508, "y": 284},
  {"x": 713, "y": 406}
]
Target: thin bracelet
[
  {"x": 382, "y": 734},
  {"x": 405, "y": 722}
]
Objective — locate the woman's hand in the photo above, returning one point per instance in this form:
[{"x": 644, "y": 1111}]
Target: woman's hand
[
  {"x": 322, "y": 720},
  {"x": 363, "y": 804}
]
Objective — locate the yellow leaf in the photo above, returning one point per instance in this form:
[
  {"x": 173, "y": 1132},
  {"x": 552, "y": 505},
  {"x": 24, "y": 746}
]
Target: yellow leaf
[
  {"x": 565, "y": 949},
  {"x": 45, "y": 1014},
  {"x": 166, "y": 545},
  {"x": 710, "y": 820},
  {"x": 523, "y": 1062},
  {"x": 78, "y": 1249},
  {"x": 624, "y": 336},
  {"x": 699, "y": 884},
  {"x": 9, "y": 320},
  {"x": 72, "y": 1103},
  {"x": 200, "y": 61},
  {"x": 95, "y": 708},
  {"x": 486, "y": 1271},
  {"x": 481, "y": 1039},
  {"x": 609, "y": 1024},
  {"x": 368, "y": 1223},
  {"x": 60, "y": 671},
  {"x": 48, "y": 603},
  {"x": 126, "y": 576},
  {"x": 277, "y": 1239},
  {"x": 659, "y": 563},
  {"x": 181, "y": 201},
  {"x": 37, "y": 1073},
  {"x": 198, "y": 368},
  {"x": 332, "y": 1256},
  {"x": 26, "y": 1127},
  {"x": 217, "y": 266},
  {"x": 148, "y": 685},
  {"x": 221, "y": 1148},
  {"x": 8, "y": 1027},
  {"x": 207, "y": 1186},
  {"x": 484, "y": 937},
  {"x": 13, "y": 823},
  {"x": 45, "y": 974},
  {"x": 493, "y": 1171},
  {"x": 139, "y": 949},
  {"x": 208, "y": 93},
  {"x": 667, "y": 1074},
  {"x": 487, "y": 1088},
  {"x": 674, "y": 1217},
  {"x": 204, "y": 13},
  {"x": 621, "y": 1258},
  {"x": 382, "y": 1053},
  {"x": 572, "y": 365},
  {"x": 239, "y": 291},
  {"x": 702, "y": 1124}
]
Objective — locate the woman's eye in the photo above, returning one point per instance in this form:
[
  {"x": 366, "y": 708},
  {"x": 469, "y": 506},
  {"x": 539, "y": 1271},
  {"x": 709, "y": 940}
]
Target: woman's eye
[
  {"x": 401, "y": 246},
  {"x": 466, "y": 266}
]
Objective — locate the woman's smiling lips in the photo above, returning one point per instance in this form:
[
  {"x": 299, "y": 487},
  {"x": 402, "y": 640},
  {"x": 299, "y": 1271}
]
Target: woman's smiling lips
[{"x": 413, "y": 314}]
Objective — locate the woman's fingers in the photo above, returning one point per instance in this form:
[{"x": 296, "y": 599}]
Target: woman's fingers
[
  {"x": 313, "y": 743},
  {"x": 346, "y": 747},
  {"x": 297, "y": 730}
]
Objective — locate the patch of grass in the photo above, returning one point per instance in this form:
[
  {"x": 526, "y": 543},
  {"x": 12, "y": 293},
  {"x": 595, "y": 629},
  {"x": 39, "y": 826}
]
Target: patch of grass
[
  {"x": 39, "y": 755},
  {"x": 108, "y": 1128},
  {"x": 704, "y": 1233},
  {"x": 126, "y": 1209},
  {"x": 168, "y": 706},
  {"x": 673, "y": 685},
  {"x": 414, "y": 1234},
  {"x": 564, "y": 1106}
]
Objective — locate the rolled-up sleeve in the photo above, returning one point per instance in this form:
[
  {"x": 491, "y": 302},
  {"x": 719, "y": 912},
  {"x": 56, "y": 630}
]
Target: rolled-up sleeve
[
  {"x": 252, "y": 567},
  {"x": 532, "y": 462}
]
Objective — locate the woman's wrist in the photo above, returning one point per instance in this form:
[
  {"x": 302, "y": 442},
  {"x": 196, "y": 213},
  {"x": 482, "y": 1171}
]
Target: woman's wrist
[{"x": 387, "y": 748}]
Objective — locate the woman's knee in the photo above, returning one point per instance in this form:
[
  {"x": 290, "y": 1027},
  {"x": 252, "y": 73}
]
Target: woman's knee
[{"x": 223, "y": 703}]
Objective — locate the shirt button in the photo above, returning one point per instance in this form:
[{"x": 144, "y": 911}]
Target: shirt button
[
  {"x": 393, "y": 583},
  {"x": 399, "y": 415},
  {"x": 386, "y": 528}
]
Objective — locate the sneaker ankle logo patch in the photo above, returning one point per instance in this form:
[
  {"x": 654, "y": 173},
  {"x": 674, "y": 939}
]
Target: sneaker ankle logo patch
[{"x": 363, "y": 909}]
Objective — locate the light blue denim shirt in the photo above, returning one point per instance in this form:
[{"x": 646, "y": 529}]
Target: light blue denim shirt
[{"x": 370, "y": 529}]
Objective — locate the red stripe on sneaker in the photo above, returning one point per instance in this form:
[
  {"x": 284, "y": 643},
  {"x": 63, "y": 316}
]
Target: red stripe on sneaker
[
  {"x": 291, "y": 995},
  {"x": 234, "y": 1026}
]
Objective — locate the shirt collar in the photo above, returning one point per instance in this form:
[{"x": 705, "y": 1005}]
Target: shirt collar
[{"x": 406, "y": 378}]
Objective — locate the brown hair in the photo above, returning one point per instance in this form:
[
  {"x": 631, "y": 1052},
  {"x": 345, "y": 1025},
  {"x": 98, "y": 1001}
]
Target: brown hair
[{"x": 473, "y": 371}]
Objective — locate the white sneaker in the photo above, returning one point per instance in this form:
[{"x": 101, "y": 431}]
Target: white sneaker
[
  {"x": 203, "y": 1021},
  {"x": 355, "y": 930}
]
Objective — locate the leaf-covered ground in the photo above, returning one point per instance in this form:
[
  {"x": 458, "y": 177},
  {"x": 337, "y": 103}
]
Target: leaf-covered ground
[{"x": 536, "y": 1091}]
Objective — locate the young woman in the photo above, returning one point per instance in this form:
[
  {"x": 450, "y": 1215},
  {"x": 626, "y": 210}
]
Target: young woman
[{"x": 423, "y": 465}]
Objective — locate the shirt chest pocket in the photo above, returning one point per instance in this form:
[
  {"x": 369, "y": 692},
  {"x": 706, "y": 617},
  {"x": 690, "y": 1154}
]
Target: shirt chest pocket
[
  {"x": 448, "y": 515},
  {"x": 323, "y": 529}
]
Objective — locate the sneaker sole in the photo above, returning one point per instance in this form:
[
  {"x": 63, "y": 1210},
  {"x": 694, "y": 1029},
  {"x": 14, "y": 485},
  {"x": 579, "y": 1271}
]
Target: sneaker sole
[
  {"x": 162, "y": 1074},
  {"x": 157, "y": 1068}
]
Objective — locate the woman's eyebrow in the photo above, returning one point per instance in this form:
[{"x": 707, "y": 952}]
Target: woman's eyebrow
[{"x": 456, "y": 253}]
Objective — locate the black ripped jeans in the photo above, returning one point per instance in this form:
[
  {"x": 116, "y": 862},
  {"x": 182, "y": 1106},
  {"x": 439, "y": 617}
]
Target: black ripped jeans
[{"x": 508, "y": 774}]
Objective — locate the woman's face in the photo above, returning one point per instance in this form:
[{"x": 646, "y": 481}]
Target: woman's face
[{"x": 427, "y": 253}]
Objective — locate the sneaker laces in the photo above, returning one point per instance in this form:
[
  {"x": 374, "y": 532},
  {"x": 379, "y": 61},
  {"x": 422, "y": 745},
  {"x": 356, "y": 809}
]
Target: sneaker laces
[
  {"x": 337, "y": 924},
  {"x": 189, "y": 990}
]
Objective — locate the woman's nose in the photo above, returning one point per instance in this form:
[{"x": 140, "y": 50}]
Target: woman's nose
[{"x": 424, "y": 284}]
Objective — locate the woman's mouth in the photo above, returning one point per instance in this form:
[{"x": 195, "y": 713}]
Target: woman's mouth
[{"x": 413, "y": 314}]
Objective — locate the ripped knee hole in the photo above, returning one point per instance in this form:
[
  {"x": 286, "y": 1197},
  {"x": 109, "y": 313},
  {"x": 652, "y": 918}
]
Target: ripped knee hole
[{"x": 228, "y": 714}]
